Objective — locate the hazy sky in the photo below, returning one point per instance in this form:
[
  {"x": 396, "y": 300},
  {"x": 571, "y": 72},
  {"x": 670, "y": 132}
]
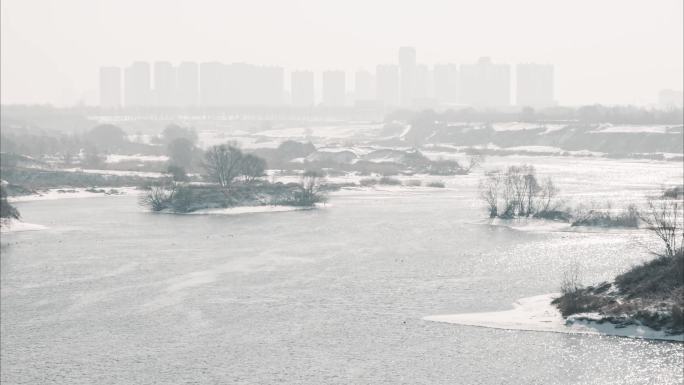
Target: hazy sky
[{"x": 606, "y": 51}]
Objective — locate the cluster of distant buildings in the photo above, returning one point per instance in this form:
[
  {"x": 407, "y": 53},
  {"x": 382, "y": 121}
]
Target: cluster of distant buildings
[
  {"x": 670, "y": 99},
  {"x": 405, "y": 84}
]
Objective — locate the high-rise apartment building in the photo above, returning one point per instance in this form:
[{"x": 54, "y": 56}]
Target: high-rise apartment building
[
  {"x": 137, "y": 90},
  {"x": 302, "y": 88},
  {"x": 407, "y": 73},
  {"x": 485, "y": 84},
  {"x": 187, "y": 84},
  {"x": 334, "y": 88},
  {"x": 534, "y": 85},
  {"x": 110, "y": 87},
  {"x": 164, "y": 84},
  {"x": 387, "y": 85}
]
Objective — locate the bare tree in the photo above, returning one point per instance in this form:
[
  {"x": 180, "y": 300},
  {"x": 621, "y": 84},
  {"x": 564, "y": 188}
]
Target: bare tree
[
  {"x": 524, "y": 187},
  {"x": 474, "y": 161},
  {"x": 489, "y": 191},
  {"x": 532, "y": 188},
  {"x": 664, "y": 219},
  {"x": 516, "y": 192},
  {"x": 252, "y": 167},
  {"x": 547, "y": 192},
  {"x": 92, "y": 158},
  {"x": 223, "y": 164},
  {"x": 181, "y": 152}
]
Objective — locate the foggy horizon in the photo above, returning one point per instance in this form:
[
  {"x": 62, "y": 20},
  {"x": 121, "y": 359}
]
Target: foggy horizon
[{"x": 598, "y": 54}]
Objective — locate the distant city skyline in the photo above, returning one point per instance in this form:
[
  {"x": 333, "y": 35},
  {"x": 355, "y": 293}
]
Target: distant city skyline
[
  {"x": 407, "y": 83},
  {"x": 610, "y": 52}
]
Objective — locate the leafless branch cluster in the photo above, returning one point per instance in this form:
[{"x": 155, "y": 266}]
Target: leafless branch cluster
[
  {"x": 225, "y": 163},
  {"x": 517, "y": 192},
  {"x": 664, "y": 218}
]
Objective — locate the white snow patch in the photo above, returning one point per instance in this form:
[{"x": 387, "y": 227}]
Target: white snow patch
[
  {"x": 116, "y": 158},
  {"x": 530, "y": 224},
  {"x": 402, "y": 136},
  {"x": 143, "y": 174},
  {"x": 552, "y": 127},
  {"x": 14, "y": 225},
  {"x": 609, "y": 128},
  {"x": 72, "y": 193},
  {"x": 248, "y": 210},
  {"x": 515, "y": 126},
  {"x": 538, "y": 314},
  {"x": 544, "y": 149}
]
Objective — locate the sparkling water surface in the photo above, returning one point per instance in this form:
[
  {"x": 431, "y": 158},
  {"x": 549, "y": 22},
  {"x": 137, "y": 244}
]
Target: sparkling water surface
[{"x": 111, "y": 294}]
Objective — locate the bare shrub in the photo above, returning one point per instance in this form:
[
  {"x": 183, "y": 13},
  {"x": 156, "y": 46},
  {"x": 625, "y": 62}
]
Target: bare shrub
[
  {"x": 158, "y": 198},
  {"x": 571, "y": 282},
  {"x": 573, "y": 299},
  {"x": 593, "y": 215},
  {"x": 309, "y": 192},
  {"x": 7, "y": 210},
  {"x": 664, "y": 218},
  {"x": 386, "y": 180},
  {"x": 368, "y": 182},
  {"x": 436, "y": 184}
]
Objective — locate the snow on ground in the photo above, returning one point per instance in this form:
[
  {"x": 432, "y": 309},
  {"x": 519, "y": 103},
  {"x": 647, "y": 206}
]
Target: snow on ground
[
  {"x": 553, "y": 150},
  {"x": 73, "y": 193},
  {"x": 140, "y": 138},
  {"x": 653, "y": 129},
  {"x": 329, "y": 132},
  {"x": 214, "y": 138},
  {"x": 115, "y": 158},
  {"x": 403, "y": 134},
  {"x": 449, "y": 181},
  {"x": 530, "y": 224},
  {"x": 545, "y": 149},
  {"x": 15, "y": 225},
  {"x": 516, "y": 126},
  {"x": 538, "y": 314},
  {"x": 359, "y": 151},
  {"x": 248, "y": 210},
  {"x": 143, "y": 174},
  {"x": 552, "y": 127},
  {"x": 665, "y": 155}
]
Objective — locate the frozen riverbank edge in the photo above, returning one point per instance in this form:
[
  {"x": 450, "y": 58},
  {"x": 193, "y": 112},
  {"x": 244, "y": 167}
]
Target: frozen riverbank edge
[
  {"x": 75, "y": 193},
  {"x": 538, "y": 314},
  {"x": 237, "y": 210},
  {"x": 15, "y": 225}
]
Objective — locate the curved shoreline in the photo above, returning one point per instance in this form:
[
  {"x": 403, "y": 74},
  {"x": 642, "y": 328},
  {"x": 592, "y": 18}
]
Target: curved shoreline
[
  {"x": 538, "y": 314},
  {"x": 74, "y": 193},
  {"x": 15, "y": 226},
  {"x": 237, "y": 210}
]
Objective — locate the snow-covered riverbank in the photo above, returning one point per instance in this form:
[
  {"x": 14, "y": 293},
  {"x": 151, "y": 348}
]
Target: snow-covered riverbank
[
  {"x": 538, "y": 314},
  {"x": 248, "y": 210},
  {"x": 72, "y": 193},
  {"x": 14, "y": 225}
]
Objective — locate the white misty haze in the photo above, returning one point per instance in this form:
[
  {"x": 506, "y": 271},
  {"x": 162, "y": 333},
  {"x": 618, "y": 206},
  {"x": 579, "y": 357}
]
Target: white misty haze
[{"x": 611, "y": 52}]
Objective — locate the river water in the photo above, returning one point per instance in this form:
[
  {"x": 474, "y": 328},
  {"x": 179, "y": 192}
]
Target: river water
[{"x": 111, "y": 294}]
